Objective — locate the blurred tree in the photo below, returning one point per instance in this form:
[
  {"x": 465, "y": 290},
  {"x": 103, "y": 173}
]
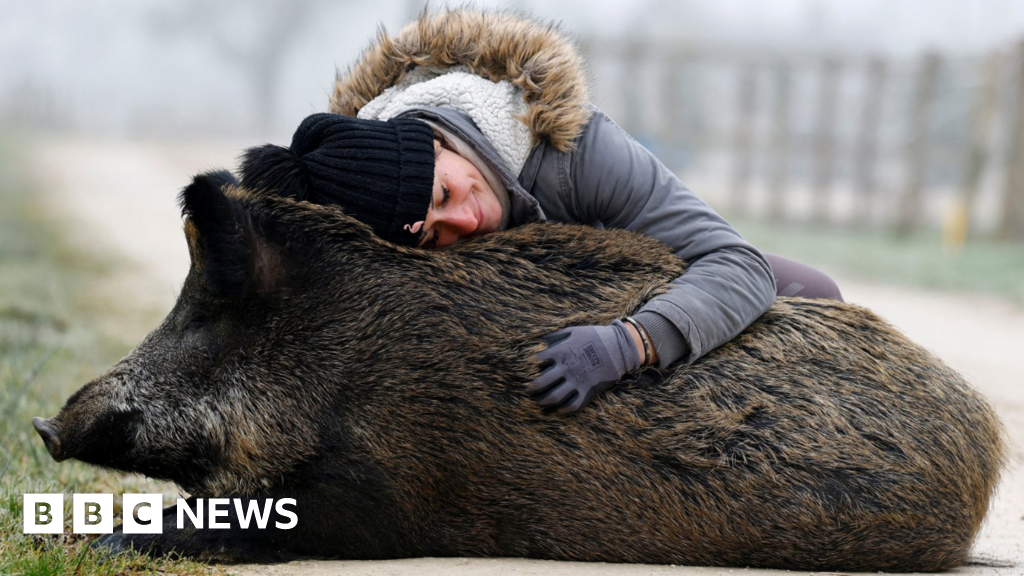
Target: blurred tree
[{"x": 254, "y": 36}]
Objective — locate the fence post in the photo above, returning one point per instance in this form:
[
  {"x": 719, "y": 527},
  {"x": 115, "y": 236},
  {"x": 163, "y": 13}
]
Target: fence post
[
  {"x": 671, "y": 122},
  {"x": 744, "y": 137},
  {"x": 632, "y": 115},
  {"x": 976, "y": 151},
  {"x": 824, "y": 138},
  {"x": 1011, "y": 226},
  {"x": 909, "y": 208},
  {"x": 866, "y": 151},
  {"x": 779, "y": 153}
]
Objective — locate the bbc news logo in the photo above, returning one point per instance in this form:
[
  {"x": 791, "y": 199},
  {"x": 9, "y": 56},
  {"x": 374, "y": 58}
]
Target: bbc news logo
[{"x": 144, "y": 513}]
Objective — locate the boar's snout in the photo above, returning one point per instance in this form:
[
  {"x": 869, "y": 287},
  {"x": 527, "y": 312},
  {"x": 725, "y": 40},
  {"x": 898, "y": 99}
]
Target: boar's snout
[{"x": 51, "y": 437}]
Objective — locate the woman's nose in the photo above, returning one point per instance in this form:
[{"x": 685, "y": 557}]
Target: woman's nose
[{"x": 460, "y": 218}]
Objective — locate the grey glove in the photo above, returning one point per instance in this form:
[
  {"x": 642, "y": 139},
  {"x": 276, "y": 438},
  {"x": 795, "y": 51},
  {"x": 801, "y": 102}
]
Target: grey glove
[{"x": 580, "y": 363}]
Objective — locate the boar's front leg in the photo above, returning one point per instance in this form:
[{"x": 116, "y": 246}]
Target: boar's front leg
[{"x": 232, "y": 544}]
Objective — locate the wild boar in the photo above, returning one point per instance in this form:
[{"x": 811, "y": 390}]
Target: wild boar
[{"x": 383, "y": 388}]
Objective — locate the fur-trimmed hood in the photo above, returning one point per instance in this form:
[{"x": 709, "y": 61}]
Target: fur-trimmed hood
[{"x": 535, "y": 57}]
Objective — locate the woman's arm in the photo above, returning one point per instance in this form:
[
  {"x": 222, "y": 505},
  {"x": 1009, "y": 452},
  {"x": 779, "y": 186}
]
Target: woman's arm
[{"x": 615, "y": 182}]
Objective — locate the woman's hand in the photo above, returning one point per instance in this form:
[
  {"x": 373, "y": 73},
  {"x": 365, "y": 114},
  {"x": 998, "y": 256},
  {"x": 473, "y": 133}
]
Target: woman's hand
[{"x": 581, "y": 362}]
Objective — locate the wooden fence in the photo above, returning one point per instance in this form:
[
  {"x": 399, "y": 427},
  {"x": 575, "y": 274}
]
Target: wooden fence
[{"x": 931, "y": 141}]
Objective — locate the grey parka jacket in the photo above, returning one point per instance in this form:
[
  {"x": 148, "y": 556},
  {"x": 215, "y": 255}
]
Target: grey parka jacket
[
  {"x": 611, "y": 181},
  {"x": 583, "y": 169}
]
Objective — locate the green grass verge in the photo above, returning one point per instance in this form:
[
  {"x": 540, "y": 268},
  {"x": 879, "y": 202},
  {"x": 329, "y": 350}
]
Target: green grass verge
[
  {"x": 878, "y": 256},
  {"x": 56, "y": 334}
]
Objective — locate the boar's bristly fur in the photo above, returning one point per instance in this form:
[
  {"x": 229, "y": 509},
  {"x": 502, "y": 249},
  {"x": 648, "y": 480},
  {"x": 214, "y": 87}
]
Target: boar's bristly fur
[{"x": 382, "y": 387}]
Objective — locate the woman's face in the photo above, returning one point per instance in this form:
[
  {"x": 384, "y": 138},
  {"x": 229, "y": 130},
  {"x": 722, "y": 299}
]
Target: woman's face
[{"x": 463, "y": 203}]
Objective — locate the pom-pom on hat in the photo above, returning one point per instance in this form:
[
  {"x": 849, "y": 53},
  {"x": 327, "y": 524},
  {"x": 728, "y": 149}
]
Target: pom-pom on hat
[{"x": 380, "y": 172}]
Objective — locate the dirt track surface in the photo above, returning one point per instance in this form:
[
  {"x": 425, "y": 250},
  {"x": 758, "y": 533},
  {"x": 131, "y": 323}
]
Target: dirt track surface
[{"x": 123, "y": 194}]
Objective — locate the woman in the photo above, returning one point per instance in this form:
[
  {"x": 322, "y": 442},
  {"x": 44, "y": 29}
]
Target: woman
[{"x": 467, "y": 123}]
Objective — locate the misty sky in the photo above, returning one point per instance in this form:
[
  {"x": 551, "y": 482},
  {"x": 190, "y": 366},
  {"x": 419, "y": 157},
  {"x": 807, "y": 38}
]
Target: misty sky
[{"x": 181, "y": 67}]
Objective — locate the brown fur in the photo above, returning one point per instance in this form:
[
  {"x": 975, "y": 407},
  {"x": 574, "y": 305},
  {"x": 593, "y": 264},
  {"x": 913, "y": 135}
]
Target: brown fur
[
  {"x": 498, "y": 46},
  {"x": 192, "y": 239},
  {"x": 383, "y": 388}
]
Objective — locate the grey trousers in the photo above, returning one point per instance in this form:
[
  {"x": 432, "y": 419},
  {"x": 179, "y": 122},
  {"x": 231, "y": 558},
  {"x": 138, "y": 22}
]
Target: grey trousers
[{"x": 795, "y": 279}]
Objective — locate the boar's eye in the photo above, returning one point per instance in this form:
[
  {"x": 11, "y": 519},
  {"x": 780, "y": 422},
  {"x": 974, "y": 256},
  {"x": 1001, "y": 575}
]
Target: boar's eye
[{"x": 198, "y": 320}]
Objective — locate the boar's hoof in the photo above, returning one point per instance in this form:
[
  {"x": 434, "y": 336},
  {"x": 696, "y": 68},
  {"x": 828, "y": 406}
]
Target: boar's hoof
[
  {"x": 50, "y": 437},
  {"x": 108, "y": 542},
  {"x": 110, "y": 545}
]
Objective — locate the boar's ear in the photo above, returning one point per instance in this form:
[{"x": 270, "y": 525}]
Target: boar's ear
[{"x": 224, "y": 239}]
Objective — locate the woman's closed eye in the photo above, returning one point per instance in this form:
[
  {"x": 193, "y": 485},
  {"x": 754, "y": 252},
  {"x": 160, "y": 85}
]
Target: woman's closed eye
[{"x": 435, "y": 233}]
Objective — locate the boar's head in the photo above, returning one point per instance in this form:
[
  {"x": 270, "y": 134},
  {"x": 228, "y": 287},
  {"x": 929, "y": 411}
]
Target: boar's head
[
  {"x": 300, "y": 335},
  {"x": 220, "y": 398}
]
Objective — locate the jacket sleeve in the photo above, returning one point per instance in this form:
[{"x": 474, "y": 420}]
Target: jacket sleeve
[{"x": 615, "y": 182}]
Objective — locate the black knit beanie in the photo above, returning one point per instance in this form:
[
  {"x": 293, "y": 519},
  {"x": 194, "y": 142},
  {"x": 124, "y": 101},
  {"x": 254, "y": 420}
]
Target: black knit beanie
[{"x": 382, "y": 173}]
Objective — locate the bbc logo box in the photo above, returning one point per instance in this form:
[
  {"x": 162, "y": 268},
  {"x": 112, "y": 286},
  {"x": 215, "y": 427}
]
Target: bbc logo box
[
  {"x": 44, "y": 513},
  {"x": 92, "y": 513}
]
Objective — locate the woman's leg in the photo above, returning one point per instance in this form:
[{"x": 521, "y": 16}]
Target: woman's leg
[{"x": 795, "y": 279}]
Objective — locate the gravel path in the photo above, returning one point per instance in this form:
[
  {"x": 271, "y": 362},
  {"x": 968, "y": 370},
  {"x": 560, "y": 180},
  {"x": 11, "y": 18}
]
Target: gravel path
[{"x": 124, "y": 196}]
